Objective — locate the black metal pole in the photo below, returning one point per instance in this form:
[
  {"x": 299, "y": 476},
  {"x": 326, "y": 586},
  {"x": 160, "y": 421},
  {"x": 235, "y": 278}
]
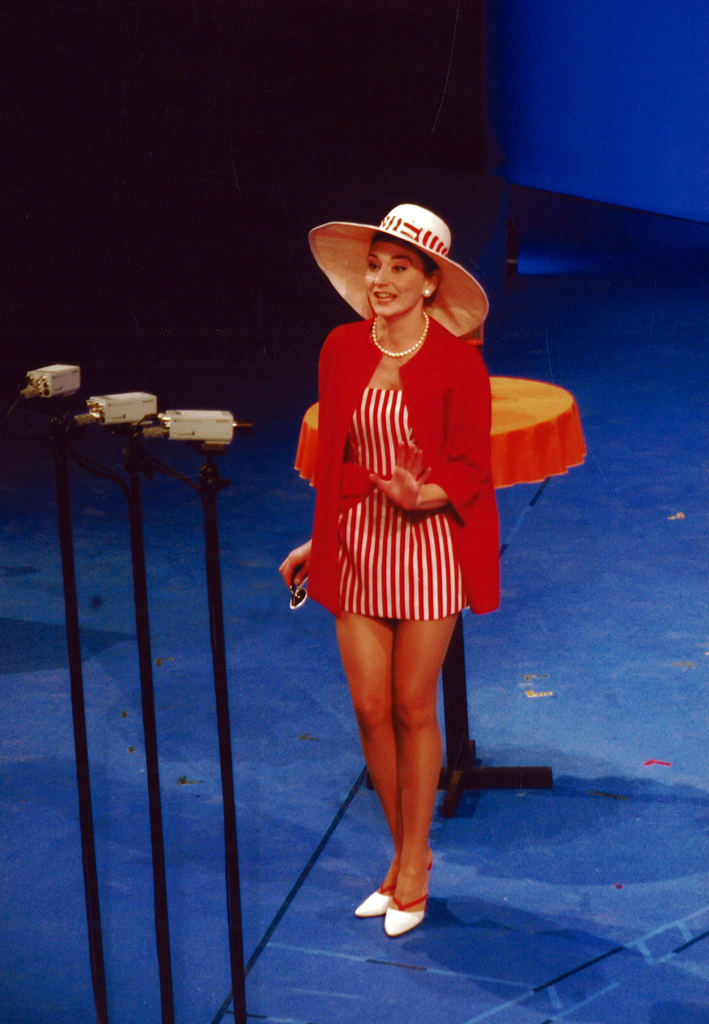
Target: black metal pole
[
  {"x": 458, "y": 752},
  {"x": 133, "y": 463},
  {"x": 88, "y": 848},
  {"x": 210, "y": 485},
  {"x": 461, "y": 772}
]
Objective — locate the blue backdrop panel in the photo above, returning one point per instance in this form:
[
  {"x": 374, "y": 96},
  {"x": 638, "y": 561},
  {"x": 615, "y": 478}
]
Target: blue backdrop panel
[{"x": 606, "y": 100}]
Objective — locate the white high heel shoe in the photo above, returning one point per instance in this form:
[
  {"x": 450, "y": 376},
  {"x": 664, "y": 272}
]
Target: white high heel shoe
[
  {"x": 377, "y": 904},
  {"x": 399, "y": 919}
]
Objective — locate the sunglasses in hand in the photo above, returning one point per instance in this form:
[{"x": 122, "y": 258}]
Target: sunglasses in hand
[{"x": 297, "y": 594}]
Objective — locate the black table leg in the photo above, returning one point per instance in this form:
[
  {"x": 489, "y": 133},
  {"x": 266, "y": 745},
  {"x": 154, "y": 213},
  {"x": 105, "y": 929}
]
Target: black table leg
[{"x": 461, "y": 772}]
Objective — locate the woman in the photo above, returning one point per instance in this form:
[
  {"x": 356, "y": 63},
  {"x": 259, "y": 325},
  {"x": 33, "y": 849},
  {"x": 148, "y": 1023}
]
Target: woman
[{"x": 405, "y": 532}]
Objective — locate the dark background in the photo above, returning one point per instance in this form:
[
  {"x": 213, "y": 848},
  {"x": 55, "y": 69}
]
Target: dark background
[{"x": 165, "y": 161}]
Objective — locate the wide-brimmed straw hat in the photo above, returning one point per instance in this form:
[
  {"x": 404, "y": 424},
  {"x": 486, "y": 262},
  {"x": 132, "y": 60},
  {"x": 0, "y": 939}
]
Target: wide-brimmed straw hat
[{"x": 341, "y": 250}]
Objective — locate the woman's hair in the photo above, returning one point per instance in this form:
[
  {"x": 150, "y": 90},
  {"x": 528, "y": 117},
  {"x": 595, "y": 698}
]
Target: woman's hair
[{"x": 429, "y": 265}]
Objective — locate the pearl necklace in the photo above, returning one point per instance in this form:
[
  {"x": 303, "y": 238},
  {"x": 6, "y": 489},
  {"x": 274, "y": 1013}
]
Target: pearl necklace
[{"x": 407, "y": 351}]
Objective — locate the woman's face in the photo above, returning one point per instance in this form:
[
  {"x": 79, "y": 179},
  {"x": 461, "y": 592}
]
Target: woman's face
[{"x": 395, "y": 279}]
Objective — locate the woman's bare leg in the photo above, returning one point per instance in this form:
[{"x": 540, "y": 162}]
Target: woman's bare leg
[
  {"x": 419, "y": 650},
  {"x": 366, "y": 647}
]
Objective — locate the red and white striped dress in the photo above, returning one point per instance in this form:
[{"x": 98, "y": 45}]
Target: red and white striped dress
[{"x": 394, "y": 564}]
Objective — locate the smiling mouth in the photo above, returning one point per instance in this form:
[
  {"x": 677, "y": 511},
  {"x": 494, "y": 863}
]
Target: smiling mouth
[{"x": 384, "y": 296}]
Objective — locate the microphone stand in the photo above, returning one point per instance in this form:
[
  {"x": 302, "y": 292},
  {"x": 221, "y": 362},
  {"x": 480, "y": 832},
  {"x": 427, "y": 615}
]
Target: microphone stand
[
  {"x": 135, "y": 462},
  {"x": 210, "y": 484},
  {"x": 58, "y": 439}
]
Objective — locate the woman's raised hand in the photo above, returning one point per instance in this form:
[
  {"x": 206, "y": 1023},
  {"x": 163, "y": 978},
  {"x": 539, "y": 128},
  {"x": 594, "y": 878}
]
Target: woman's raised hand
[
  {"x": 299, "y": 559},
  {"x": 404, "y": 486}
]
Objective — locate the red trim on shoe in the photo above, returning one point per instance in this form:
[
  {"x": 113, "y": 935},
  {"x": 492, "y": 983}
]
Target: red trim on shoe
[
  {"x": 392, "y": 888},
  {"x": 405, "y": 906}
]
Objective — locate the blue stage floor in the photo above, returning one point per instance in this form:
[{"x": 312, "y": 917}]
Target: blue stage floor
[{"x": 585, "y": 903}]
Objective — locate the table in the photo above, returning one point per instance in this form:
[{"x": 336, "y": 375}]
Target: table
[{"x": 536, "y": 433}]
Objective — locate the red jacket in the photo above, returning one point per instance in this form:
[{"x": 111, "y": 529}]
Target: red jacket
[{"x": 447, "y": 392}]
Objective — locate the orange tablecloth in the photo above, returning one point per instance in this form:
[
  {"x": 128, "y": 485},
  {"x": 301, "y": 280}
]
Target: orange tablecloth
[{"x": 536, "y": 432}]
